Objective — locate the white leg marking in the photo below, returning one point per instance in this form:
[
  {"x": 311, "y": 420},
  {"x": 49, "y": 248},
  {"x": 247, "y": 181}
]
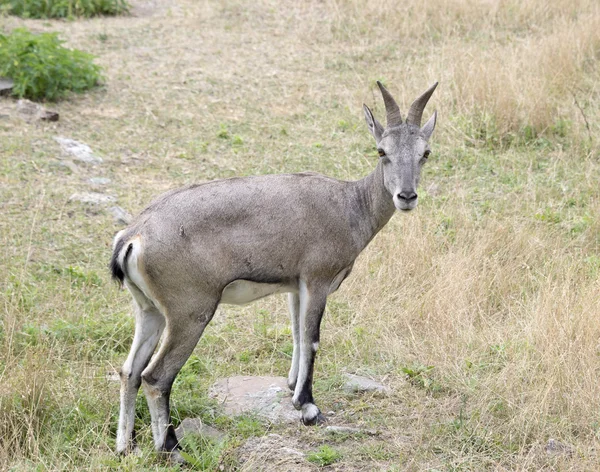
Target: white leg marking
[
  {"x": 126, "y": 420},
  {"x": 149, "y": 326},
  {"x": 163, "y": 424},
  {"x": 152, "y": 399},
  {"x": 303, "y": 367},
  {"x": 294, "y": 307},
  {"x": 315, "y": 346}
]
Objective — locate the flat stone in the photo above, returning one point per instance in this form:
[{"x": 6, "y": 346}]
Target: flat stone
[
  {"x": 27, "y": 107},
  {"x": 49, "y": 115},
  {"x": 34, "y": 111},
  {"x": 273, "y": 453},
  {"x": 80, "y": 151},
  {"x": 267, "y": 397},
  {"x": 556, "y": 448},
  {"x": 360, "y": 384},
  {"x": 350, "y": 430},
  {"x": 195, "y": 426},
  {"x": 92, "y": 197},
  {"x": 100, "y": 181},
  {"x": 120, "y": 215}
]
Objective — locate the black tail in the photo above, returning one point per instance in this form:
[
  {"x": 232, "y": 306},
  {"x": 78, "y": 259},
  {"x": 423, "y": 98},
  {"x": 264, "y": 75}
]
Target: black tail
[{"x": 119, "y": 272}]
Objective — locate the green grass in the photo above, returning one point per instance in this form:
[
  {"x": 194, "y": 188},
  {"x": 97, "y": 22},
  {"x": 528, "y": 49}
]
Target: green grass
[
  {"x": 63, "y": 8},
  {"x": 203, "y": 454},
  {"x": 493, "y": 280},
  {"x": 325, "y": 455},
  {"x": 42, "y": 68}
]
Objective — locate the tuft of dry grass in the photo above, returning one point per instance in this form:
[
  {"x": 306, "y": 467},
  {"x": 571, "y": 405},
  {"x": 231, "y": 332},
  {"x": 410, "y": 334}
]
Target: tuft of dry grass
[
  {"x": 515, "y": 63},
  {"x": 480, "y": 308}
]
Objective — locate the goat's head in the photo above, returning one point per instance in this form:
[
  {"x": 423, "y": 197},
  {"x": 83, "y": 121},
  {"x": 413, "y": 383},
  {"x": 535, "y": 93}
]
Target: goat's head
[{"x": 403, "y": 147}]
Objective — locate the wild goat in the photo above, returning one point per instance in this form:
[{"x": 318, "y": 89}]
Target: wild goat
[{"x": 237, "y": 240}]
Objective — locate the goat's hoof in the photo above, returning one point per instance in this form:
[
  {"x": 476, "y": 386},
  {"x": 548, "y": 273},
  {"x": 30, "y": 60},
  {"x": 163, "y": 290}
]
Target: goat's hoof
[
  {"x": 311, "y": 415},
  {"x": 291, "y": 385}
]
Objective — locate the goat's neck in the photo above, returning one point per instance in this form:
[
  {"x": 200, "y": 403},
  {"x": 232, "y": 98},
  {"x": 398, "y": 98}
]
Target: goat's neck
[{"x": 373, "y": 205}]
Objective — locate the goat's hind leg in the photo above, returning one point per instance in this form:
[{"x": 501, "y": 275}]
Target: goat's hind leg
[
  {"x": 149, "y": 325},
  {"x": 181, "y": 336}
]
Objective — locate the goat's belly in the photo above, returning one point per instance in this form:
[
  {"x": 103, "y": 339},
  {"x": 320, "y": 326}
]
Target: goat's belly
[{"x": 240, "y": 292}]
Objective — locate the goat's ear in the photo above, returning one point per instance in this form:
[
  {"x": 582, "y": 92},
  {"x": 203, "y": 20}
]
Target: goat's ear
[
  {"x": 374, "y": 126},
  {"x": 428, "y": 128}
]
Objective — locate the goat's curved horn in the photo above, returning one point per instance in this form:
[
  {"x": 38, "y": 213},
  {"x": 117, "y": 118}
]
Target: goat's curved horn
[
  {"x": 416, "y": 109},
  {"x": 391, "y": 107}
]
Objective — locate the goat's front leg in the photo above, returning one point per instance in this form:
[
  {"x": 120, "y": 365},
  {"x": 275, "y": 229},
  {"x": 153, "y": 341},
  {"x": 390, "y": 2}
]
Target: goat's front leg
[
  {"x": 313, "y": 299},
  {"x": 294, "y": 306}
]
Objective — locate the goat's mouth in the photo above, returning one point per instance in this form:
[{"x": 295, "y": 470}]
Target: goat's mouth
[{"x": 405, "y": 207}]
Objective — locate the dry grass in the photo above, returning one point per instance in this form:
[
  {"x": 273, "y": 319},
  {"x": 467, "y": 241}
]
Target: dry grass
[{"x": 493, "y": 281}]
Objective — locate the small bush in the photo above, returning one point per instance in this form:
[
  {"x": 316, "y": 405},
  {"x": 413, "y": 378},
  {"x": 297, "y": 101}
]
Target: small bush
[
  {"x": 42, "y": 68},
  {"x": 63, "y": 8},
  {"x": 326, "y": 455}
]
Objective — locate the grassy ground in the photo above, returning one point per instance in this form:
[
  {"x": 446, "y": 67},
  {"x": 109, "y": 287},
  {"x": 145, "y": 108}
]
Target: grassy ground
[{"x": 480, "y": 308}]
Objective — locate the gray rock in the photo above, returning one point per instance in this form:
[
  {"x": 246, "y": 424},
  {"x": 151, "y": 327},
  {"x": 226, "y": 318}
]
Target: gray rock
[
  {"x": 30, "y": 111},
  {"x": 350, "y": 430},
  {"x": 92, "y": 197},
  {"x": 121, "y": 216},
  {"x": 80, "y": 151},
  {"x": 100, "y": 181},
  {"x": 272, "y": 453},
  {"x": 49, "y": 115},
  {"x": 267, "y": 397},
  {"x": 360, "y": 384},
  {"x": 195, "y": 426},
  {"x": 6, "y": 85},
  {"x": 556, "y": 448}
]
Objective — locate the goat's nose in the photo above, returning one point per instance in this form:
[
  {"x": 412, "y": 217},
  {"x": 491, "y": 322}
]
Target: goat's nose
[{"x": 407, "y": 196}]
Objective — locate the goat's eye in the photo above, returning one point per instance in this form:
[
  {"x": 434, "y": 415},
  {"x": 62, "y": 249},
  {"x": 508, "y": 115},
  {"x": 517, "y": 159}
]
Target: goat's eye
[
  {"x": 381, "y": 152},
  {"x": 426, "y": 154}
]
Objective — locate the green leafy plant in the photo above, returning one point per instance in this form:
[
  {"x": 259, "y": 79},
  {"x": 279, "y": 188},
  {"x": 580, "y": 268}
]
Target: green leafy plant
[
  {"x": 63, "y": 8},
  {"x": 420, "y": 376},
  {"x": 326, "y": 455},
  {"x": 203, "y": 453},
  {"x": 42, "y": 68},
  {"x": 248, "y": 426}
]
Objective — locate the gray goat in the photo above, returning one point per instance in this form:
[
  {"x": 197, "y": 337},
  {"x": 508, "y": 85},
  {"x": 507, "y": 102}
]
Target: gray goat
[{"x": 237, "y": 240}]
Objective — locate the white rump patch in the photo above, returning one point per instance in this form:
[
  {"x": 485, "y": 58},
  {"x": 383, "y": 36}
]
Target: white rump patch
[
  {"x": 117, "y": 237},
  {"x": 135, "y": 274},
  {"x": 240, "y": 292}
]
